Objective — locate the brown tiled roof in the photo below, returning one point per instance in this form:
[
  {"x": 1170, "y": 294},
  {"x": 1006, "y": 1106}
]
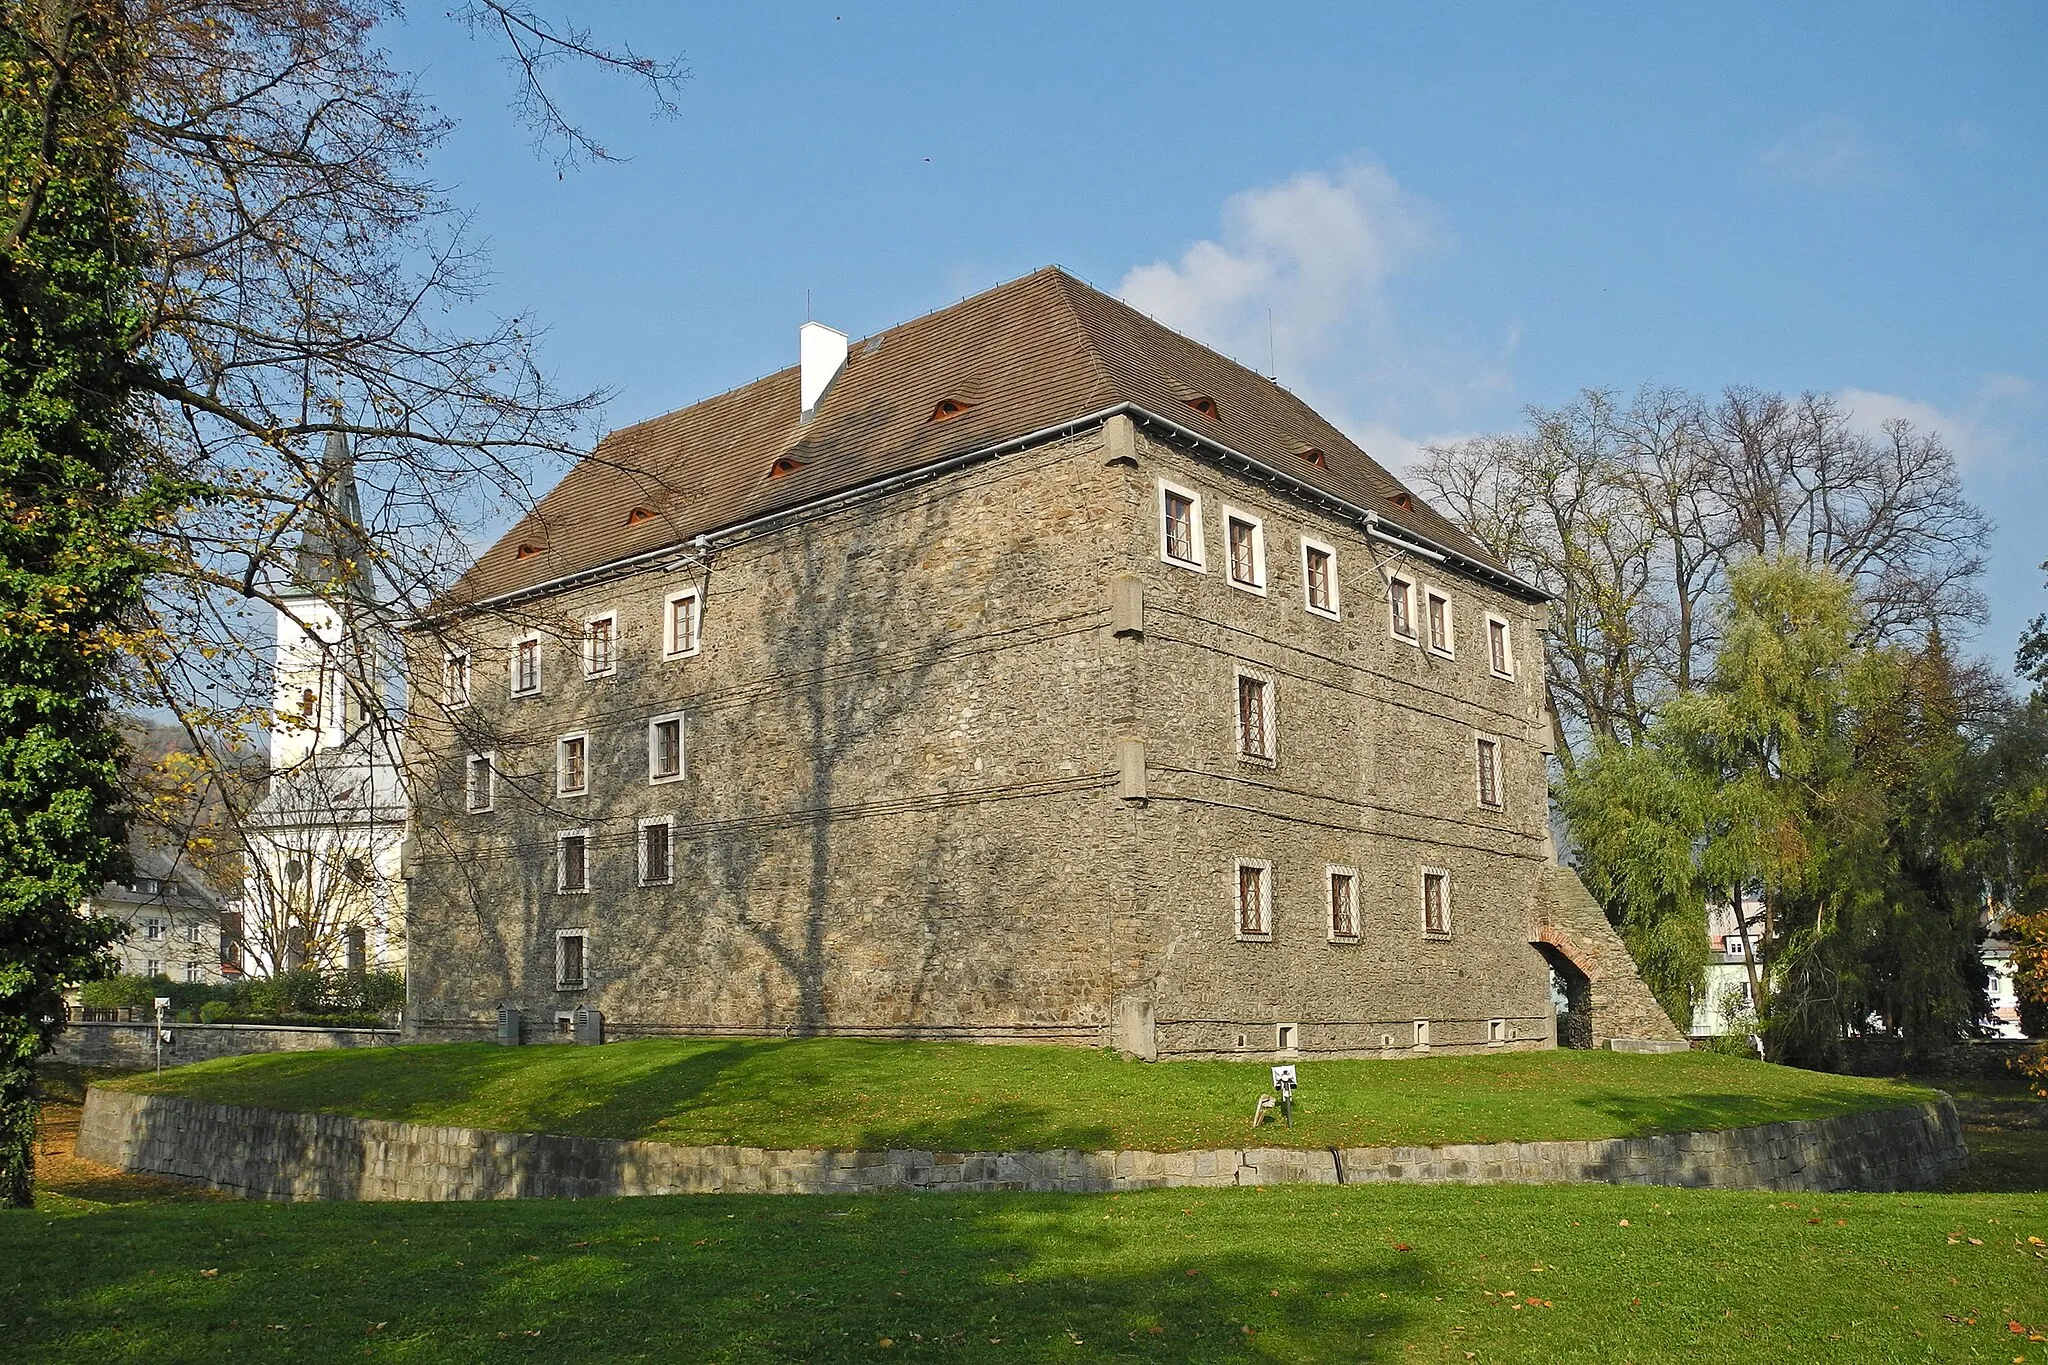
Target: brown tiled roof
[{"x": 1026, "y": 356}]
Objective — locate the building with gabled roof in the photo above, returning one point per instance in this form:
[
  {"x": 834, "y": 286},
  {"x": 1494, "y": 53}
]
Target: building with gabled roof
[{"x": 1025, "y": 671}]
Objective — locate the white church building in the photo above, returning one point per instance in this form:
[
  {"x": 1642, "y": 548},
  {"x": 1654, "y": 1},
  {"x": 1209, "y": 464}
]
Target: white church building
[{"x": 324, "y": 886}]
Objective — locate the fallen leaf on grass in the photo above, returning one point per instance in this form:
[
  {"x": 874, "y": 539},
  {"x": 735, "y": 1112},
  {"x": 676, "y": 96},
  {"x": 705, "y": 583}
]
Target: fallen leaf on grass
[{"x": 209, "y": 1274}]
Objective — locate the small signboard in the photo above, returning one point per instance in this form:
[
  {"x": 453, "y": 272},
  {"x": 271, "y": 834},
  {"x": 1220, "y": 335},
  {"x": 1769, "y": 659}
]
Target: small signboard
[{"x": 1283, "y": 1077}]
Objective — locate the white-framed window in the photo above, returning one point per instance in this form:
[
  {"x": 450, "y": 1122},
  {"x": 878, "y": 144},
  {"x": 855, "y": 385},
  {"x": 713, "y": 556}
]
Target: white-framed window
[
  {"x": 480, "y": 781},
  {"x": 152, "y": 928},
  {"x": 1319, "y": 578},
  {"x": 1436, "y": 902},
  {"x": 1401, "y": 609},
  {"x": 153, "y": 967},
  {"x": 455, "y": 679},
  {"x": 1180, "y": 527},
  {"x": 572, "y": 765},
  {"x": 682, "y": 619},
  {"x": 665, "y": 748},
  {"x": 1422, "y": 1033},
  {"x": 658, "y": 851},
  {"x": 572, "y": 959},
  {"x": 191, "y": 933},
  {"x": 1256, "y": 740},
  {"x": 1486, "y": 756},
  {"x": 191, "y": 971},
  {"x": 1496, "y": 1032},
  {"x": 572, "y": 861},
  {"x": 1500, "y": 653},
  {"x": 526, "y": 666},
  {"x": 1252, "y": 899},
  {"x": 1436, "y": 619},
  {"x": 601, "y": 645},
  {"x": 1244, "y": 544},
  {"x": 1342, "y": 886}
]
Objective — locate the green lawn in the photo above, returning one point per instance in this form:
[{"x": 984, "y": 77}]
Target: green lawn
[
  {"x": 872, "y": 1095},
  {"x": 1381, "y": 1273}
]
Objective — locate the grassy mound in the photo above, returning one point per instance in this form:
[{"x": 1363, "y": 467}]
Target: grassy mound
[{"x": 959, "y": 1097}]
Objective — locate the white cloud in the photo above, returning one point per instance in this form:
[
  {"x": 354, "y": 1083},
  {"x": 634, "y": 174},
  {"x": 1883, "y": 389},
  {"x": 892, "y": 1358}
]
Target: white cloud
[
  {"x": 1316, "y": 251},
  {"x": 1982, "y": 434},
  {"x": 1827, "y": 151}
]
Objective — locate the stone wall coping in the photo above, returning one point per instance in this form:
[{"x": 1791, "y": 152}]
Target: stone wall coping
[
  {"x": 391, "y": 1033},
  {"x": 278, "y": 1154}
]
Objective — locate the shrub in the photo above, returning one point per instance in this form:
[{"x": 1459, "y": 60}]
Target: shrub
[{"x": 217, "y": 1012}]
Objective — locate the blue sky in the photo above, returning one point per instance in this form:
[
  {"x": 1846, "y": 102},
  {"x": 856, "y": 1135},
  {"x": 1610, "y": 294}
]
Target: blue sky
[{"x": 1451, "y": 211}]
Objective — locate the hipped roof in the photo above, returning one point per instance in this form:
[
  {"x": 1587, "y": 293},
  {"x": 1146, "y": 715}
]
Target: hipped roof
[{"x": 1024, "y": 356}]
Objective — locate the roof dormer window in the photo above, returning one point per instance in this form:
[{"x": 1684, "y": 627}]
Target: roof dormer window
[
  {"x": 949, "y": 408},
  {"x": 1203, "y": 404},
  {"x": 638, "y": 515},
  {"x": 1313, "y": 456},
  {"x": 528, "y": 551},
  {"x": 784, "y": 467},
  {"x": 1402, "y": 501}
]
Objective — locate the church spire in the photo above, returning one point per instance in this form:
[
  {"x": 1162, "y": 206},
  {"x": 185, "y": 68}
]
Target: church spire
[{"x": 333, "y": 558}]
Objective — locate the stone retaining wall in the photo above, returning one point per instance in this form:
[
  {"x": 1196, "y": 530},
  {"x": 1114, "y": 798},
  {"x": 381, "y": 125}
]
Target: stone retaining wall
[
  {"x": 270, "y": 1154},
  {"x": 1978, "y": 1059},
  {"x": 133, "y": 1046}
]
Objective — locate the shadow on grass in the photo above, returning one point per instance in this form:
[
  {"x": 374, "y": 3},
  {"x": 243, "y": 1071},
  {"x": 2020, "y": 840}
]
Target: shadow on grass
[{"x": 708, "y": 1278}]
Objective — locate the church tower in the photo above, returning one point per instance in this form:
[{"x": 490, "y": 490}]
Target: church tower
[
  {"x": 325, "y": 682},
  {"x": 326, "y": 888}
]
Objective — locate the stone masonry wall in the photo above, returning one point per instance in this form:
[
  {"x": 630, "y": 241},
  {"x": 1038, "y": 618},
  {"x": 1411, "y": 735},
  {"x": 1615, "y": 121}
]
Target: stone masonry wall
[
  {"x": 1375, "y": 770},
  {"x": 1571, "y": 922},
  {"x": 133, "y": 1046},
  {"x": 267, "y": 1154},
  {"x": 894, "y": 817}
]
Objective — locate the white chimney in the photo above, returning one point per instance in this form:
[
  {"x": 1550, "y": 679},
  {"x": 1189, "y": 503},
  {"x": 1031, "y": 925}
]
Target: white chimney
[{"x": 821, "y": 352}]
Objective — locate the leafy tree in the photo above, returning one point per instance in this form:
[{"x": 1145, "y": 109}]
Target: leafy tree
[
  {"x": 1636, "y": 817},
  {"x": 217, "y": 247},
  {"x": 1844, "y": 785},
  {"x": 70, "y": 512}
]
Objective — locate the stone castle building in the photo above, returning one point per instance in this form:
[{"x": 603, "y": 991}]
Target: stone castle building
[{"x": 1024, "y": 672}]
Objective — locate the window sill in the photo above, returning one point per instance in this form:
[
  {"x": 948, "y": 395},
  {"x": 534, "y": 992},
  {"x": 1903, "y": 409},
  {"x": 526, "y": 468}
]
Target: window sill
[
  {"x": 1437, "y": 935},
  {"x": 1412, "y": 641},
  {"x": 1504, "y": 677},
  {"x": 665, "y": 881},
  {"x": 668, "y": 658},
  {"x": 1443, "y": 653},
  {"x": 1253, "y": 761},
  {"x": 564, "y": 986},
  {"x": 526, "y": 696},
  {"x": 1266, "y": 937},
  {"x": 1345, "y": 940},
  {"x": 1325, "y": 612},
  {"x": 1191, "y": 565},
  {"x": 664, "y": 781},
  {"x": 572, "y": 891},
  {"x": 1255, "y": 589}
]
